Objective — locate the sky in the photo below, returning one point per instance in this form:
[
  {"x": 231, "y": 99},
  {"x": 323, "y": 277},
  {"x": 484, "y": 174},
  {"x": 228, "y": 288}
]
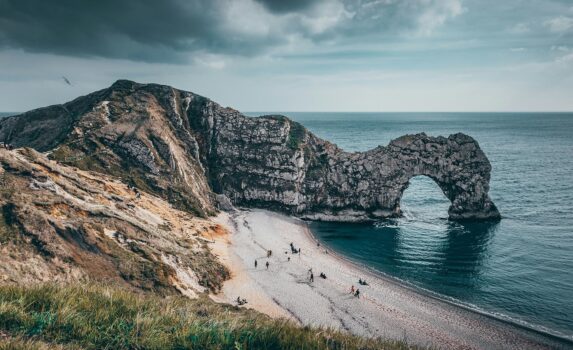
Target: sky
[{"x": 298, "y": 55}]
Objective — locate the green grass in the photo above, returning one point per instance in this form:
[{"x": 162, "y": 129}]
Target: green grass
[{"x": 95, "y": 317}]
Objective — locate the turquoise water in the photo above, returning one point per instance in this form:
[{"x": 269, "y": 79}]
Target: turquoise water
[{"x": 520, "y": 268}]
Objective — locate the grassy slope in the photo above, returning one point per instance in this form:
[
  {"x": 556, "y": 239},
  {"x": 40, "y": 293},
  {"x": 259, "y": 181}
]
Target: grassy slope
[{"x": 94, "y": 317}]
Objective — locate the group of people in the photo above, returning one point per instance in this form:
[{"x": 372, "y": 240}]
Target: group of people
[
  {"x": 294, "y": 250},
  {"x": 8, "y": 146},
  {"x": 311, "y": 275},
  {"x": 241, "y": 301},
  {"x": 355, "y": 292},
  {"x": 267, "y": 264}
]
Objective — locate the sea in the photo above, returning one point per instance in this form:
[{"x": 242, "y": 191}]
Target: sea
[{"x": 519, "y": 269}]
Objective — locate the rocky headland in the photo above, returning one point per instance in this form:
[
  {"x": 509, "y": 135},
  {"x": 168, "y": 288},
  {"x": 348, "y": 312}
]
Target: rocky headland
[{"x": 195, "y": 154}]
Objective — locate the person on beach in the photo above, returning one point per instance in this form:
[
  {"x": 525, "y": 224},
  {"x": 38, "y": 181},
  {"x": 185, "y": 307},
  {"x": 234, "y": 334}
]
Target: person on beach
[
  {"x": 323, "y": 275},
  {"x": 357, "y": 293},
  {"x": 267, "y": 265},
  {"x": 311, "y": 277},
  {"x": 352, "y": 289},
  {"x": 256, "y": 263},
  {"x": 288, "y": 259}
]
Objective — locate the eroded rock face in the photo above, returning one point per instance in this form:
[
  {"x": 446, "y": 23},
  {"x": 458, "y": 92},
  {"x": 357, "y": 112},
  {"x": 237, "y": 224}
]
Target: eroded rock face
[
  {"x": 59, "y": 223},
  {"x": 186, "y": 148}
]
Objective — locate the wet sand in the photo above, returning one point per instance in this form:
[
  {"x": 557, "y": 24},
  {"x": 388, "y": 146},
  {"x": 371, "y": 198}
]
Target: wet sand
[{"x": 385, "y": 308}]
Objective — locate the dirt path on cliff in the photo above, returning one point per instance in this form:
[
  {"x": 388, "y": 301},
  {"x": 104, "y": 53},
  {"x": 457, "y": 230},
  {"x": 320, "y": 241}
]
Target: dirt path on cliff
[{"x": 385, "y": 308}]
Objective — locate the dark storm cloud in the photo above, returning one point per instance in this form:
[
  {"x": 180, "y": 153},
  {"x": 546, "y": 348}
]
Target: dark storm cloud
[
  {"x": 285, "y": 6},
  {"x": 146, "y": 30},
  {"x": 174, "y": 30}
]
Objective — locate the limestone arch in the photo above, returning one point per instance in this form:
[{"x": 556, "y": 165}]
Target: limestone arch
[{"x": 456, "y": 164}]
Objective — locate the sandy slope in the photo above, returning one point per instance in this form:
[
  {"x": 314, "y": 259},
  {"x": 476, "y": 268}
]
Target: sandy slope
[{"x": 385, "y": 308}]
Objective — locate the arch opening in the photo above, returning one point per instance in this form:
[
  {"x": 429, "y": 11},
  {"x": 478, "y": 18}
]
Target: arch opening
[{"x": 422, "y": 198}]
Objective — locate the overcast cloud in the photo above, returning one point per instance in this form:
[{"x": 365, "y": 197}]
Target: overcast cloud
[{"x": 379, "y": 54}]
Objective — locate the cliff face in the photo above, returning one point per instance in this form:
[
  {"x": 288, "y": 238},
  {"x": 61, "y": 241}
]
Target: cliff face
[
  {"x": 59, "y": 223},
  {"x": 139, "y": 133},
  {"x": 185, "y": 148}
]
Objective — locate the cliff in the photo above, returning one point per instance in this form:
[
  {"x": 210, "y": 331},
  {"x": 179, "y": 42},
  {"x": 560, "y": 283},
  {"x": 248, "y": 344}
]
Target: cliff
[
  {"x": 186, "y": 149},
  {"x": 59, "y": 223}
]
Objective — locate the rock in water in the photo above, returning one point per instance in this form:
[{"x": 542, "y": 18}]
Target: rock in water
[{"x": 186, "y": 148}]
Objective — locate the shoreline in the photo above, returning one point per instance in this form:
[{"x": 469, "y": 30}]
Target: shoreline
[
  {"x": 387, "y": 307},
  {"x": 442, "y": 298}
]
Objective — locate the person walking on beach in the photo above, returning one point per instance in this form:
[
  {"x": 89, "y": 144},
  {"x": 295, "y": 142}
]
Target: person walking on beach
[
  {"x": 352, "y": 289},
  {"x": 311, "y": 277},
  {"x": 267, "y": 265},
  {"x": 288, "y": 259},
  {"x": 256, "y": 263},
  {"x": 357, "y": 294}
]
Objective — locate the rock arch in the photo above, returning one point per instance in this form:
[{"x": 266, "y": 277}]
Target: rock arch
[{"x": 370, "y": 185}]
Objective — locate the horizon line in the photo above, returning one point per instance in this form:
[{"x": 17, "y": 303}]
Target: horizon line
[
  {"x": 349, "y": 111},
  {"x": 279, "y": 111}
]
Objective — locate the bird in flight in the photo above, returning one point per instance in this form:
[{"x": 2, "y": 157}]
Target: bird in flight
[{"x": 67, "y": 81}]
